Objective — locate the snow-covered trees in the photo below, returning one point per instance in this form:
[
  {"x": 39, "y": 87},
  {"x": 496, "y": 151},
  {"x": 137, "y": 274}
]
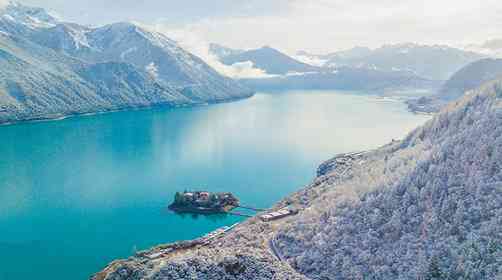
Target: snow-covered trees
[
  {"x": 428, "y": 207},
  {"x": 435, "y": 211}
]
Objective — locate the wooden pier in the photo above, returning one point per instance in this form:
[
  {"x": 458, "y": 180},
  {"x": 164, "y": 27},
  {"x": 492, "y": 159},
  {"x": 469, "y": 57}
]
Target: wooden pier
[
  {"x": 251, "y": 208},
  {"x": 245, "y": 207},
  {"x": 240, "y": 214}
]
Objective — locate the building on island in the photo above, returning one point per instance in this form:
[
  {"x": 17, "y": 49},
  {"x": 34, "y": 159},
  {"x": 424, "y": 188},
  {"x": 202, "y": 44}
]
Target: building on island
[{"x": 201, "y": 202}]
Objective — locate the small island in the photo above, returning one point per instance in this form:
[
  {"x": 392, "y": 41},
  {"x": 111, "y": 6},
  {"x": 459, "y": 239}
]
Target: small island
[{"x": 200, "y": 202}]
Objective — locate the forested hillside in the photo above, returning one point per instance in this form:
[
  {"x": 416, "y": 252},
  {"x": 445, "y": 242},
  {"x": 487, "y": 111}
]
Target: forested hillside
[
  {"x": 426, "y": 207},
  {"x": 429, "y": 207}
]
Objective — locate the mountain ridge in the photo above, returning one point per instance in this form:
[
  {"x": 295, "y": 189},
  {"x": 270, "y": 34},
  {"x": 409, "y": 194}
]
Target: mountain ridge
[
  {"x": 59, "y": 56},
  {"x": 271, "y": 60},
  {"x": 295, "y": 75},
  {"x": 462, "y": 82},
  {"x": 436, "y": 62}
]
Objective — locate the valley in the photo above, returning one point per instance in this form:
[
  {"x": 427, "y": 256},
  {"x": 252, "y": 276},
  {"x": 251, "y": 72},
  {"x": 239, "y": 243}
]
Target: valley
[{"x": 319, "y": 140}]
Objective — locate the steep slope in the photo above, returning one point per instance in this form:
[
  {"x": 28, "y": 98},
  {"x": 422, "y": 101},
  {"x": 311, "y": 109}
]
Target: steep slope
[
  {"x": 52, "y": 69},
  {"x": 146, "y": 50},
  {"x": 65, "y": 38},
  {"x": 427, "y": 207},
  {"x": 431, "y": 62},
  {"x": 270, "y": 60},
  {"x": 16, "y": 14},
  {"x": 466, "y": 79},
  {"x": 424, "y": 208},
  {"x": 471, "y": 77},
  {"x": 37, "y": 83}
]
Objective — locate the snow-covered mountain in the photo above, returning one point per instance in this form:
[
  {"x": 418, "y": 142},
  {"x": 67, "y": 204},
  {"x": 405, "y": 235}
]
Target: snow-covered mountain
[
  {"x": 432, "y": 62},
  {"x": 344, "y": 78},
  {"x": 289, "y": 73},
  {"x": 30, "y": 17},
  {"x": 492, "y": 48},
  {"x": 426, "y": 207},
  {"x": 38, "y": 83},
  {"x": 323, "y": 59},
  {"x": 147, "y": 50},
  {"x": 138, "y": 68},
  {"x": 470, "y": 77},
  {"x": 271, "y": 60},
  {"x": 466, "y": 79}
]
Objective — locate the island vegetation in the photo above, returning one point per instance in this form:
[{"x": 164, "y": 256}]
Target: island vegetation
[{"x": 200, "y": 202}]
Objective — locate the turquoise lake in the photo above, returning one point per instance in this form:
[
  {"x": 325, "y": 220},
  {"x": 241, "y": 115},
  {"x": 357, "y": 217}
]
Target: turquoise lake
[{"x": 78, "y": 193}]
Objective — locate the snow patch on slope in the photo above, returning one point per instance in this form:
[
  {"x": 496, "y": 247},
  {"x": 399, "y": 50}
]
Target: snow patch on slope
[
  {"x": 124, "y": 54},
  {"x": 29, "y": 16},
  {"x": 311, "y": 60},
  {"x": 152, "y": 70}
]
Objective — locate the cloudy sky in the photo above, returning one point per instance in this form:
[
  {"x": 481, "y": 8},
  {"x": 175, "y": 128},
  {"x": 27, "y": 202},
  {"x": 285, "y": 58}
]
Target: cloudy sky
[{"x": 314, "y": 25}]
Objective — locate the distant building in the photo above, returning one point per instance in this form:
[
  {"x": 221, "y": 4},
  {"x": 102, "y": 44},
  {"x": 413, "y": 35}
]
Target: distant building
[{"x": 282, "y": 213}]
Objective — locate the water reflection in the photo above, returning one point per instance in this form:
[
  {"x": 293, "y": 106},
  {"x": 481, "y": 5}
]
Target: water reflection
[{"x": 88, "y": 190}]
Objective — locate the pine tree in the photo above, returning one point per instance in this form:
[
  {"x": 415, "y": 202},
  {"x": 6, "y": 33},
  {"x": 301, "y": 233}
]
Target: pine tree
[{"x": 434, "y": 272}]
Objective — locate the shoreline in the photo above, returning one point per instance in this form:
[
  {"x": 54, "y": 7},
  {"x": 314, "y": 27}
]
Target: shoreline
[
  {"x": 61, "y": 117},
  {"x": 338, "y": 169}
]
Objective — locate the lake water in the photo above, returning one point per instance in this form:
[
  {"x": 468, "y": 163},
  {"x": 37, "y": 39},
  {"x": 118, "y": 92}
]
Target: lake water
[{"x": 78, "y": 193}]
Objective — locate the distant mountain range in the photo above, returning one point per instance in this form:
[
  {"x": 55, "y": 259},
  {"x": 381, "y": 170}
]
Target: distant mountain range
[
  {"x": 323, "y": 59},
  {"x": 344, "y": 78},
  {"x": 360, "y": 68},
  {"x": 470, "y": 77},
  {"x": 492, "y": 48},
  {"x": 466, "y": 79},
  {"x": 286, "y": 72},
  {"x": 430, "y": 62},
  {"x": 271, "y": 60},
  {"x": 53, "y": 69}
]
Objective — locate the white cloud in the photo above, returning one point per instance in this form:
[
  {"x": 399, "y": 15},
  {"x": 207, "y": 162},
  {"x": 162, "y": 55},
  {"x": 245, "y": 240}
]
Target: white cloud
[
  {"x": 192, "y": 41},
  {"x": 312, "y": 60},
  {"x": 244, "y": 69},
  {"x": 328, "y": 25},
  {"x": 4, "y": 3}
]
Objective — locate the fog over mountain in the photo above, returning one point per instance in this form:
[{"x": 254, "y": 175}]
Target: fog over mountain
[
  {"x": 492, "y": 48},
  {"x": 270, "y": 60},
  {"x": 404, "y": 66}
]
